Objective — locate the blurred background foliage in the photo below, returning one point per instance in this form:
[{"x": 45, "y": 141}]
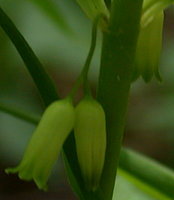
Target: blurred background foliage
[{"x": 60, "y": 39}]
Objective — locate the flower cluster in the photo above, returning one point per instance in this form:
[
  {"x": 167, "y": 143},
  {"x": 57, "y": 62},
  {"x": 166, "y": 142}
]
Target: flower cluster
[
  {"x": 149, "y": 43},
  {"x": 59, "y": 119}
]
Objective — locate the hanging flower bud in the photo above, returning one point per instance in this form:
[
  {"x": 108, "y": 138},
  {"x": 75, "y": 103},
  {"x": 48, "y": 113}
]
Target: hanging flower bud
[
  {"x": 150, "y": 39},
  {"x": 149, "y": 49},
  {"x": 151, "y": 8},
  {"x": 46, "y": 143},
  {"x": 90, "y": 136},
  {"x": 94, "y": 8}
]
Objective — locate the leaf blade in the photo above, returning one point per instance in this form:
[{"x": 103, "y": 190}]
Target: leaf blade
[
  {"x": 35, "y": 68},
  {"x": 148, "y": 170}
]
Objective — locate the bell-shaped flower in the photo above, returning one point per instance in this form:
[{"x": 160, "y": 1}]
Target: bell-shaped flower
[
  {"x": 46, "y": 143},
  {"x": 149, "y": 49},
  {"x": 90, "y": 137},
  {"x": 149, "y": 43},
  {"x": 151, "y": 8}
]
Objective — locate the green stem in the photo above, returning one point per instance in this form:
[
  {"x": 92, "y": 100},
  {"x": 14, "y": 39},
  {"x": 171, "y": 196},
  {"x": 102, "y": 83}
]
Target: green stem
[
  {"x": 119, "y": 45},
  {"x": 83, "y": 77},
  {"x": 16, "y": 112},
  {"x": 92, "y": 47},
  {"x": 43, "y": 81}
]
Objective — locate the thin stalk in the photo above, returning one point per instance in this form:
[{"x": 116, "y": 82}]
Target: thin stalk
[
  {"x": 83, "y": 77},
  {"x": 43, "y": 82},
  {"x": 118, "y": 53},
  {"x": 16, "y": 112},
  {"x": 92, "y": 47}
]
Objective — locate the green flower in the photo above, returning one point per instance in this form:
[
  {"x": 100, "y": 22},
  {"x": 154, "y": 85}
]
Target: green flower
[
  {"x": 149, "y": 49},
  {"x": 150, "y": 39},
  {"x": 90, "y": 137},
  {"x": 46, "y": 143}
]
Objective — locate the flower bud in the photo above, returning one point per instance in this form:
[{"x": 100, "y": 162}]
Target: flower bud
[
  {"x": 149, "y": 49},
  {"x": 90, "y": 137},
  {"x": 150, "y": 39},
  {"x": 46, "y": 143},
  {"x": 151, "y": 8}
]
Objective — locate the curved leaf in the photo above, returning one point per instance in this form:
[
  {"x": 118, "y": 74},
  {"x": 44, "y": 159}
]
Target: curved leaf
[
  {"x": 129, "y": 187},
  {"x": 148, "y": 171},
  {"x": 39, "y": 75}
]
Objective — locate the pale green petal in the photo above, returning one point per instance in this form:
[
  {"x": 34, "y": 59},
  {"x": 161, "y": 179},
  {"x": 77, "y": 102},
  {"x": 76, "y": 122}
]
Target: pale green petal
[
  {"x": 46, "y": 143},
  {"x": 90, "y": 137},
  {"x": 151, "y": 8},
  {"x": 149, "y": 49}
]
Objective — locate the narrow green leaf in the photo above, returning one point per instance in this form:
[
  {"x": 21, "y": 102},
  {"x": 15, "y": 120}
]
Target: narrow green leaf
[
  {"x": 17, "y": 112},
  {"x": 39, "y": 75},
  {"x": 126, "y": 189},
  {"x": 129, "y": 187},
  {"x": 149, "y": 171}
]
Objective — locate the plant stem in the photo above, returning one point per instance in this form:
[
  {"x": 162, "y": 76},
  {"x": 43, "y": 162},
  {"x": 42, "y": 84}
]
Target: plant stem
[
  {"x": 83, "y": 77},
  {"x": 44, "y": 83},
  {"x": 16, "y": 112},
  {"x": 118, "y": 53}
]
